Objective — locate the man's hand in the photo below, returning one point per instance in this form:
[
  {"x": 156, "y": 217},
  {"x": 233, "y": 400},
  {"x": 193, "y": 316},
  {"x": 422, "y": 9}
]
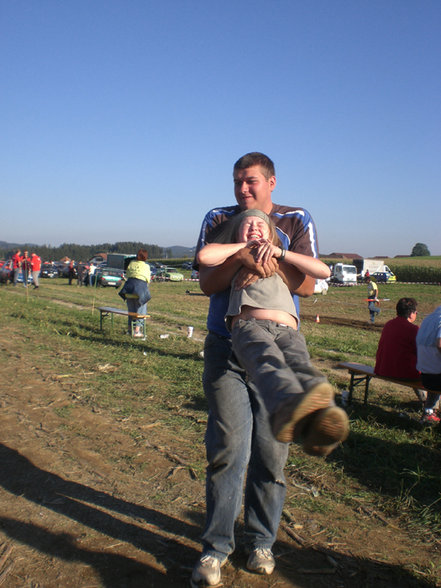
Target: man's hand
[
  {"x": 248, "y": 260},
  {"x": 251, "y": 270}
]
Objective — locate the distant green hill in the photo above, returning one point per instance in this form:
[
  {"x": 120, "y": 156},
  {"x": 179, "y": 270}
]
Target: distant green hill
[
  {"x": 77, "y": 252},
  {"x": 5, "y": 245},
  {"x": 179, "y": 251}
]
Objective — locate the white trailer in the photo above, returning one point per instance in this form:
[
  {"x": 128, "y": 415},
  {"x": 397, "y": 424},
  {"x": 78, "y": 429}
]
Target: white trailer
[{"x": 372, "y": 266}]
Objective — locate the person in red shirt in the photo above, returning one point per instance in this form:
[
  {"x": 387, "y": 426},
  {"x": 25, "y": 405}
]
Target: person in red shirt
[
  {"x": 25, "y": 268},
  {"x": 72, "y": 272},
  {"x": 16, "y": 265},
  {"x": 35, "y": 267},
  {"x": 397, "y": 351}
]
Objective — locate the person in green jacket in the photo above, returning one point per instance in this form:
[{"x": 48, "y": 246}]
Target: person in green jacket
[{"x": 136, "y": 292}]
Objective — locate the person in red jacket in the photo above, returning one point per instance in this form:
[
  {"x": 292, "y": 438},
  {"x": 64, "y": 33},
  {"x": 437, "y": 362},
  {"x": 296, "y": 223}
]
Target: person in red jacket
[
  {"x": 35, "y": 267},
  {"x": 25, "y": 268},
  {"x": 397, "y": 351},
  {"x": 16, "y": 265}
]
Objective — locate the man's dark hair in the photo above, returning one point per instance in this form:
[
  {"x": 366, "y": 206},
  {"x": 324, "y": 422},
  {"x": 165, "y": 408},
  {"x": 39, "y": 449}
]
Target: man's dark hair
[
  {"x": 406, "y": 306},
  {"x": 256, "y": 158}
]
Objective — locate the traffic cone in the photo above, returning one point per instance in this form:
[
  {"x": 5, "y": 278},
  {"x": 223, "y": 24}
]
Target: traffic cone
[{"x": 317, "y": 319}]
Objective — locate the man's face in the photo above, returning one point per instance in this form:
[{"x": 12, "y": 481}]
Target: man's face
[{"x": 252, "y": 189}]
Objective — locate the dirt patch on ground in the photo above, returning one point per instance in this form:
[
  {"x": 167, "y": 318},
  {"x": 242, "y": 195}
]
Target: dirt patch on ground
[
  {"x": 84, "y": 504},
  {"x": 341, "y": 321}
]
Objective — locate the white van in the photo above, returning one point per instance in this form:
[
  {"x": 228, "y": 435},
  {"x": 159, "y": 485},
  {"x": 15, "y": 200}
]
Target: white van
[{"x": 345, "y": 274}]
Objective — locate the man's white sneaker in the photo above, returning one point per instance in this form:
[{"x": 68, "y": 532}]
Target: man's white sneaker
[
  {"x": 261, "y": 561},
  {"x": 207, "y": 571}
]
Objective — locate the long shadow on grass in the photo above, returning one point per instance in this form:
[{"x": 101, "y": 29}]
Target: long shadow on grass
[
  {"x": 85, "y": 505},
  {"x": 99, "y": 338},
  {"x": 304, "y": 567},
  {"x": 297, "y": 567},
  {"x": 400, "y": 468},
  {"x": 113, "y": 569},
  {"x": 403, "y": 416}
]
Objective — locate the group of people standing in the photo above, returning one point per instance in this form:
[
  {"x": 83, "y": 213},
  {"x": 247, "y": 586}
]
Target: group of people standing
[
  {"x": 28, "y": 266},
  {"x": 81, "y": 272}
]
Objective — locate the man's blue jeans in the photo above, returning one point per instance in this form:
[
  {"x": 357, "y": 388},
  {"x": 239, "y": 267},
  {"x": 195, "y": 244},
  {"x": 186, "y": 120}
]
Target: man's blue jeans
[
  {"x": 239, "y": 443},
  {"x": 373, "y": 310}
]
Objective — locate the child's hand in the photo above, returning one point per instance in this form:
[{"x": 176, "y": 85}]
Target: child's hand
[{"x": 265, "y": 251}]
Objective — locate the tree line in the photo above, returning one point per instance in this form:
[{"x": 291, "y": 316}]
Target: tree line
[{"x": 84, "y": 252}]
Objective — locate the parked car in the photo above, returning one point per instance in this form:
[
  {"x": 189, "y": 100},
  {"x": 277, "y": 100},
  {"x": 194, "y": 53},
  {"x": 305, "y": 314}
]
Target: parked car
[
  {"x": 194, "y": 275},
  {"x": 63, "y": 270},
  {"x": 107, "y": 276},
  {"x": 153, "y": 270},
  {"x": 20, "y": 279},
  {"x": 170, "y": 274},
  {"x": 345, "y": 274},
  {"x": 48, "y": 270},
  {"x": 158, "y": 275},
  {"x": 187, "y": 265},
  {"x": 156, "y": 264},
  {"x": 6, "y": 272},
  {"x": 384, "y": 277}
]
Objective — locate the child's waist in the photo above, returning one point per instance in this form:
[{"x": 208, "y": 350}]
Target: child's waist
[{"x": 277, "y": 316}]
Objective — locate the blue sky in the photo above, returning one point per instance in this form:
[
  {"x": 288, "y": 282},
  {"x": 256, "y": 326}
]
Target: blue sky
[{"x": 121, "y": 119}]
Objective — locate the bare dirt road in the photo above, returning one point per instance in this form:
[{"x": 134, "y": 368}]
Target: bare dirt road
[{"x": 84, "y": 504}]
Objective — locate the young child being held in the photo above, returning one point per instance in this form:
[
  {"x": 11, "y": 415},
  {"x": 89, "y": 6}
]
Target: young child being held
[{"x": 263, "y": 322}]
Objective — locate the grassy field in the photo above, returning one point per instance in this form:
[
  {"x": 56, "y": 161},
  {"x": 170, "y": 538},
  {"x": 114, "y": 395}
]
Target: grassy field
[{"x": 390, "y": 465}]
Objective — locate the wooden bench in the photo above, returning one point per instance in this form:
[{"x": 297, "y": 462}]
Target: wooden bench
[
  {"x": 364, "y": 373},
  {"x": 110, "y": 311}
]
